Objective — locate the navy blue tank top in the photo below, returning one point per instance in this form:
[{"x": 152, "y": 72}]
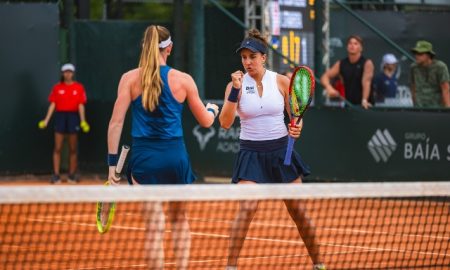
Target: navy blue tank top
[{"x": 165, "y": 121}]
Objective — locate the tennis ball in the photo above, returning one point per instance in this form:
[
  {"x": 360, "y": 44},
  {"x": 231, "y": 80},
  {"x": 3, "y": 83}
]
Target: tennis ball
[
  {"x": 42, "y": 124},
  {"x": 85, "y": 126}
]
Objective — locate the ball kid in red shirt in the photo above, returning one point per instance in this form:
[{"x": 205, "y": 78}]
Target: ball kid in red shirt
[{"x": 67, "y": 101}]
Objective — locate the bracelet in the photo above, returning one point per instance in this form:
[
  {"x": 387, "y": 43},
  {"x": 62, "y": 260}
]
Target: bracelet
[
  {"x": 233, "y": 97},
  {"x": 112, "y": 159},
  {"x": 212, "y": 110}
]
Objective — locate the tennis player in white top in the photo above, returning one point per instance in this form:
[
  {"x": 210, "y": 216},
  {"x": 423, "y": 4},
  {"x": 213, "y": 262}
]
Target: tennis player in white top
[{"x": 260, "y": 98}]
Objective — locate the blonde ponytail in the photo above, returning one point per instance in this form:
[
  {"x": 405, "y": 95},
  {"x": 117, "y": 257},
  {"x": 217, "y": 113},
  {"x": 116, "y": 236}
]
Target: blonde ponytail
[{"x": 149, "y": 64}]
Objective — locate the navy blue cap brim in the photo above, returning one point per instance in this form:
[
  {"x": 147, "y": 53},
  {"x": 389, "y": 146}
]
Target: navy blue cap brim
[
  {"x": 253, "y": 49},
  {"x": 253, "y": 45}
]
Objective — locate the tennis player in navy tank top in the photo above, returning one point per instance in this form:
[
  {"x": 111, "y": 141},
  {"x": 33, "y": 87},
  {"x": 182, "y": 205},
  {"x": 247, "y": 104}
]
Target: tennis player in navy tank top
[
  {"x": 260, "y": 97},
  {"x": 156, "y": 93}
]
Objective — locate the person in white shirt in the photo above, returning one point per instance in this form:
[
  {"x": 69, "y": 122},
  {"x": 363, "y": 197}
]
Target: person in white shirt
[{"x": 260, "y": 97}]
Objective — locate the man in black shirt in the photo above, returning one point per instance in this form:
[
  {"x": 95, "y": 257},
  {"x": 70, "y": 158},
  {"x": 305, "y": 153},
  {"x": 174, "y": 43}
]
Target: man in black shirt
[{"x": 356, "y": 72}]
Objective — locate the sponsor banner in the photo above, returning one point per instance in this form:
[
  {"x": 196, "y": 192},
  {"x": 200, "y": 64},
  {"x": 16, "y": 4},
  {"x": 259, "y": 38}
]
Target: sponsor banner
[{"x": 344, "y": 145}]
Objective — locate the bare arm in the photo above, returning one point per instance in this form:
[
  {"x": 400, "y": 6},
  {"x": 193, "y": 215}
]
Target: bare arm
[
  {"x": 228, "y": 113},
  {"x": 82, "y": 112},
  {"x": 118, "y": 115},
  {"x": 445, "y": 94},
  {"x": 283, "y": 84},
  {"x": 51, "y": 109},
  {"x": 327, "y": 76},
  {"x": 366, "y": 81},
  {"x": 198, "y": 109},
  {"x": 229, "y": 108}
]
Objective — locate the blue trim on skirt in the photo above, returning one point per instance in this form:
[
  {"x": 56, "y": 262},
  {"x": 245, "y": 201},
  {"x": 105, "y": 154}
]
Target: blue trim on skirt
[
  {"x": 159, "y": 162},
  {"x": 262, "y": 162}
]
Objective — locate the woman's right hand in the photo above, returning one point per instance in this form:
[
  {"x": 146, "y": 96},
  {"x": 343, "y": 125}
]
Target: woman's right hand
[
  {"x": 236, "y": 78},
  {"x": 213, "y": 108},
  {"x": 113, "y": 180}
]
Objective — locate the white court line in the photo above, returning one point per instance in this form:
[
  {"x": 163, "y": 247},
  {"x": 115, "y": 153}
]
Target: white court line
[
  {"x": 210, "y": 261},
  {"x": 350, "y": 231},
  {"x": 85, "y": 224},
  {"x": 296, "y": 242},
  {"x": 267, "y": 224}
]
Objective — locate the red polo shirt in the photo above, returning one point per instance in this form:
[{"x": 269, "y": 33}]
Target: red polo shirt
[{"x": 67, "y": 97}]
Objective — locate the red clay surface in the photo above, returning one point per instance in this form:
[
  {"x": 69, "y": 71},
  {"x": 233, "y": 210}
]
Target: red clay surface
[{"x": 353, "y": 234}]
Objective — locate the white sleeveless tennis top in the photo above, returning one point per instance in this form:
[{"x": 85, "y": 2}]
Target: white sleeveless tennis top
[{"x": 262, "y": 118}]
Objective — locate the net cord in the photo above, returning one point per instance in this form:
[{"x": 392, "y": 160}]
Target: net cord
[{"x": 218, "y": 192}]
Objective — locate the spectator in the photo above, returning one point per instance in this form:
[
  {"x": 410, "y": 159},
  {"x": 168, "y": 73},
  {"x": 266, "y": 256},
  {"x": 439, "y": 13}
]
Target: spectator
[
  {"x": 385, "y": 83},
  {"x": 67, "y": 100},
  {"x": 429, "y": 78},
  {"x": 356, "y": 72}
]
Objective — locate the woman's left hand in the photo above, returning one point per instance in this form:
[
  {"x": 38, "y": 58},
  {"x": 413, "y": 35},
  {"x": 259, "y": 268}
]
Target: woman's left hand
[{"x": 295, "y": 131}]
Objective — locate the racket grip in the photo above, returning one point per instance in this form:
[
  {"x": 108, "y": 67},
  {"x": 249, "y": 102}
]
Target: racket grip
[
  {"x": 290, "y": 147},
  {"x": 122, "y": 157}
]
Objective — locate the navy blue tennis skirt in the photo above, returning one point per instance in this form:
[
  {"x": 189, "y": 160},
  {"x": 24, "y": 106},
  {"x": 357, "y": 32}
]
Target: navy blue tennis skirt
[
  {"x": 67, "y": 122},
  {"x": 262, "y": 162},
  {"x": 159, "y": 161}
]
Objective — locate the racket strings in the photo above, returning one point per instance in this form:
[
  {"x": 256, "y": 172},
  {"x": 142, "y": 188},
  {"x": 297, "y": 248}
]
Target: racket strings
[{"x": 302, "y": 88}]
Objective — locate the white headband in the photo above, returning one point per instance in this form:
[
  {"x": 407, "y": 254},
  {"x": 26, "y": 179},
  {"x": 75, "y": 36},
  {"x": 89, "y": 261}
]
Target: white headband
[{"x": 163, "y": 44}]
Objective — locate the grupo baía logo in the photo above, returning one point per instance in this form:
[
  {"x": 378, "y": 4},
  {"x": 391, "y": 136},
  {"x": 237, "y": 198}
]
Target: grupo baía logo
[{"x": 382, "y": 145}]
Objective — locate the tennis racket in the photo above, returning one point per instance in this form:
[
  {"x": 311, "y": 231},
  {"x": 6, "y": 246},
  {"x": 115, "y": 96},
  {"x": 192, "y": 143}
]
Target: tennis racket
[
  {"x": 301, "y": 90},
  {"x": 106, "y": 210}
]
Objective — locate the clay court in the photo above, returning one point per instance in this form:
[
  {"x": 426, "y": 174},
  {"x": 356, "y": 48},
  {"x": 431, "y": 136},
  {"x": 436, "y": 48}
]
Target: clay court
[{"x": 353, "y": 234}]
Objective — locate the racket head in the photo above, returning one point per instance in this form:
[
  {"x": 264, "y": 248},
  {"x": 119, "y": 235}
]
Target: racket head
[
  {"x": 105, "y": 214},
  {"x": 106, "y": 210},
  {"x": 301, "y": 90}
]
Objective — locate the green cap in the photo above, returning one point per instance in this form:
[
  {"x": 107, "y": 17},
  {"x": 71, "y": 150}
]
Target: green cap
[{"x": 423, "y": 46}]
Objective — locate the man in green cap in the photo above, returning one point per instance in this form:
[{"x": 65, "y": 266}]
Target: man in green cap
[{"x": 429, "y": 78}]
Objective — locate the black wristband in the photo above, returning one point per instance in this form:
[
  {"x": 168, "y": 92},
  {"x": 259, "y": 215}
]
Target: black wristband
[
  {"x": 112, "y": 159},
  {"x": 234, "y": 94}
]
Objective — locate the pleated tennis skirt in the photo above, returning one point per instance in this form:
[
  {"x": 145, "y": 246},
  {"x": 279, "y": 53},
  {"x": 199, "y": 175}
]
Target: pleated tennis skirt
[
  {"x": 262, "y": 162},
  {"x": 159, "y": 162}
]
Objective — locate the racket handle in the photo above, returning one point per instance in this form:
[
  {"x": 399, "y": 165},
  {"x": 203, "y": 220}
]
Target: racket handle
[
  {"x": 122, "y": 157},
  {"x": 290, "y": 147}
]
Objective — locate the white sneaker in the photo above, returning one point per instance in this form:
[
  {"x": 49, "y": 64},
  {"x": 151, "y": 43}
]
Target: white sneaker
[{"x": 319, "y": 266}]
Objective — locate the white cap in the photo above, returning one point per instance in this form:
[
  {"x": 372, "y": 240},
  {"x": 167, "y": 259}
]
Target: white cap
[
  {"x": 389, "y": 59},
  {"x": 68, "y": 67}
]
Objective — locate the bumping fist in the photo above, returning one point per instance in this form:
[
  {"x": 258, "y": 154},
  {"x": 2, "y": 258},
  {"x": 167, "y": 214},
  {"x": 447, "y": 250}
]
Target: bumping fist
[
  {"x": 213, "y": 108},
  {"x": 85, "y": 126},
  {"x": 236, "y": 78},
  {"x": 42, "y": 124}
]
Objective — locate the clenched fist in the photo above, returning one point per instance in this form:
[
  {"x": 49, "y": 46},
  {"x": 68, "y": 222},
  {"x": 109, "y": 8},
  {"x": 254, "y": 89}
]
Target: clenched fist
[{"x": 236, "y": 78}]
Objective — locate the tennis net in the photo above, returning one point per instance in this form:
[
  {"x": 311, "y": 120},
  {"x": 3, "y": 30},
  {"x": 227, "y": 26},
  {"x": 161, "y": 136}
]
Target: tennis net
[{"x": 343, "y": 225}]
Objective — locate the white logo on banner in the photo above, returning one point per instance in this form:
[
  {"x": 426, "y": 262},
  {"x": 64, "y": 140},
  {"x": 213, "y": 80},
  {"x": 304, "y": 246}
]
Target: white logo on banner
[
  {"x": 381, "y": 145},
  {"x": 203, "y": 139}
]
